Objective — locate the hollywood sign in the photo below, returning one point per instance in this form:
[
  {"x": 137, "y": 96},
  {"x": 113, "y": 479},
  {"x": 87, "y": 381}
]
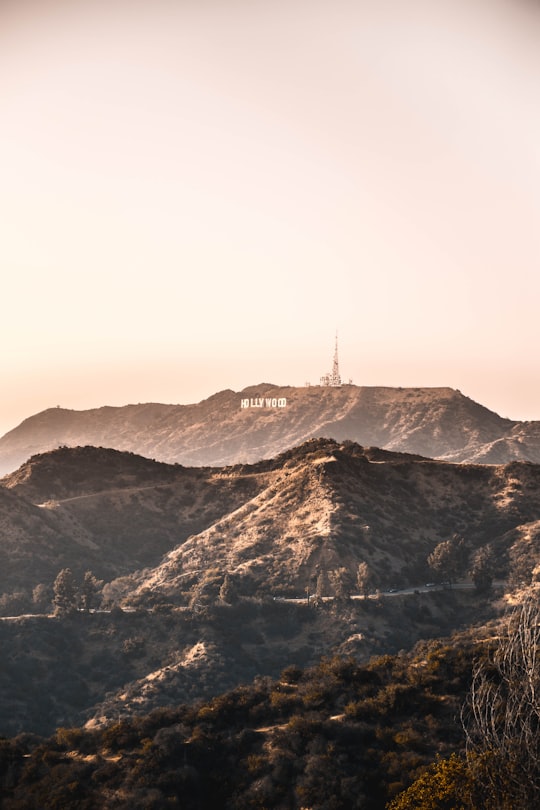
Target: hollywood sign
[{"x": 264, "y": 402}]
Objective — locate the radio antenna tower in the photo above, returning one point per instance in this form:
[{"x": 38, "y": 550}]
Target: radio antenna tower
[{"x": 335, "y": 378}]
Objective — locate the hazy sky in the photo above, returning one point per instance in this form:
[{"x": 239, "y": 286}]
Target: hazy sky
[{"x": 195, "y": 195}]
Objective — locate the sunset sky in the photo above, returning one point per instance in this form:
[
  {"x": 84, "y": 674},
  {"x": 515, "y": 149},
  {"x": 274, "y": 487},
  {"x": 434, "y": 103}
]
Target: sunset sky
[{"x": 195, "y": 195}]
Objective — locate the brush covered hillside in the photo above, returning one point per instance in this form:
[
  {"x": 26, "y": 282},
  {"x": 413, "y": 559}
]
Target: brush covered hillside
[
  {"x": 112, "y": 512},
  {"x": 213, "y": 576},
  {"x": 340, "y": 736},
  {"x": 271, "y": 527},
  {"x": 324, "y": 506},
  {"x": 434, "y": 422}
]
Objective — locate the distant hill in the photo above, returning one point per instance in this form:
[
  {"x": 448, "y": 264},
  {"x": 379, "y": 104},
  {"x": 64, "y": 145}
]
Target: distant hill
[{"x": 263, "y": 420}]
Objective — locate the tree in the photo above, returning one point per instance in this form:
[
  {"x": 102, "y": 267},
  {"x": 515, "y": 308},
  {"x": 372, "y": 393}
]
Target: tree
[
  {"x": 65, "y": 592},
  {"x": 482, "y": 569},
  {"x": 90, "y": 592},
  {"x": 341, "y": 581},
  {"x": 365, "y": 578},
  {"x": 502, "y": 715},
  {"x": 321, "y": 587},
  {"x": 444, "y": 786},
  {"x": 448, "y": 559},
  {"x": 42, "y": 597},
  {"x": 15, "y": 603},
  {"x": 227, "y": 592},
  {"x": 119, "y": 589}
]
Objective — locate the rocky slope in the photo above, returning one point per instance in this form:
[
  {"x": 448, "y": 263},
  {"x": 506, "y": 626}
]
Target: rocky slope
[
  {"x": 435, "y": 422},
  {"x": 221, "y": 562},
  {"x": 273, "y": 527},
  {"x": 325, "y": 506}
]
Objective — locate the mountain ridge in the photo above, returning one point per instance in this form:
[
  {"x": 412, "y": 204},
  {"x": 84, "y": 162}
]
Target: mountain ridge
[
  {"x": 220, "y": 430},
  {"x": 210, "y": 571},
  {"x": 272, "y": 526}
]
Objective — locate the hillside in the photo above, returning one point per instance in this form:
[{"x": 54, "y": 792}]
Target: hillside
[
  {"x": 434, "y": 422},
  {"x": 328, "y": 506},
  {"x": 340, "y": 735},
  {"x": 272, "y": 527},
  {"x": 96, "y": 668},
  {"x": 217, "y": 568},
  {"x": 104, "y": 510}
]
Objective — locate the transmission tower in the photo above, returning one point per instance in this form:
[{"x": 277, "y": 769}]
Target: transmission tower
[
  {"x": 333, "y": 379},
  {"x": 336, "y": 379}
]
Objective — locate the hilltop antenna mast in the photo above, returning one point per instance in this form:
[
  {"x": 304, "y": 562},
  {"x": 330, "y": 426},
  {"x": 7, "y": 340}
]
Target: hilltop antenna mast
[{"x": 335, "y": 379}]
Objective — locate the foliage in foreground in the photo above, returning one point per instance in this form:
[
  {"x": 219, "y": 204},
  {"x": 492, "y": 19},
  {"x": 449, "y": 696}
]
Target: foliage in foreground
[
  {"x": 500, "y": 769},
  {"x": 337, "y": 736},
  {"x": 450, "y": 727}
]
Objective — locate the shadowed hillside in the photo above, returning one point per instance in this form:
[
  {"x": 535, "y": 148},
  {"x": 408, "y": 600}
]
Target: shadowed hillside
[
  {"x": 104, "y": 510},
  {"x": 340, "y": 735}
]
